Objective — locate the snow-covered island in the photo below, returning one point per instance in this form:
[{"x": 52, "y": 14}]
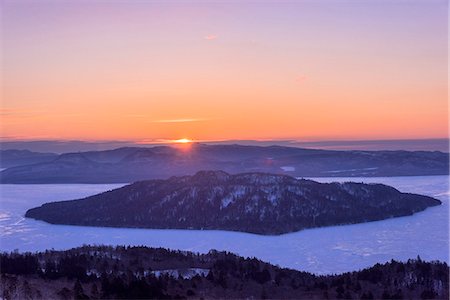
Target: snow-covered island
[{"x": 250, "y": 202}]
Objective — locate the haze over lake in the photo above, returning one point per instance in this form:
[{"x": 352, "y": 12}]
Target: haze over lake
[{"x": 323, "y": 250}]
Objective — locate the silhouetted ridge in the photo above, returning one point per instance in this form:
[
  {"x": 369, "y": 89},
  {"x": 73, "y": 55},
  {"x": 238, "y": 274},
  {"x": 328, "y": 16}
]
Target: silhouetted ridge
[
  {"x": 76, "y": 158},
  {"x": 104, "y": 272},
  {"x": 209, "y": 177},
  {"x": 132, "y": 163}
]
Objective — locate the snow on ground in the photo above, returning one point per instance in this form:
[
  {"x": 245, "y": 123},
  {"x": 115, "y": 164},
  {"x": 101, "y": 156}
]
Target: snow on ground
[
  {"x": 352, "y": 170},
  {"x": 185, "y": 273},
  {"x": 288, "y": 168},
  {"x": 322, "y": 250}
]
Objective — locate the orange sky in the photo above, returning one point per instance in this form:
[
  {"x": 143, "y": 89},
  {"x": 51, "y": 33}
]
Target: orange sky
[{"x": 218, "y": 71}]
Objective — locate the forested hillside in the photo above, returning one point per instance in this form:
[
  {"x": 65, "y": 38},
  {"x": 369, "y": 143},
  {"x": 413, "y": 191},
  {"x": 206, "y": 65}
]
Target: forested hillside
[{"x": 97, "y": 272}]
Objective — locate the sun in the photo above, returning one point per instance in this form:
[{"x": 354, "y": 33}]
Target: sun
[{"x": 183, "y": 141}]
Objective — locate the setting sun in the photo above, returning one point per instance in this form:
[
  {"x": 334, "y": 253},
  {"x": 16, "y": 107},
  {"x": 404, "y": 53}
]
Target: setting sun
[{"x": 183, "y": 141}]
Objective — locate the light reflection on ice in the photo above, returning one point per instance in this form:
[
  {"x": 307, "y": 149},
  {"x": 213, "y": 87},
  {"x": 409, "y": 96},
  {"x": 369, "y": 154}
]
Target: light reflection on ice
[{"x": 322, "y": 250}]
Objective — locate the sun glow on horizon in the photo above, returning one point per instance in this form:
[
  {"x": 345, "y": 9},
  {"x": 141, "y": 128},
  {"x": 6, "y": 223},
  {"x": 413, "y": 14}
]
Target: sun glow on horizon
[{"x": 183, "y": 141}]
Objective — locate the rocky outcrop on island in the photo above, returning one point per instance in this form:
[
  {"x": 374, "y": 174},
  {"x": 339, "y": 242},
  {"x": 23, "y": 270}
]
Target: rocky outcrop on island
[{"x": 250, "y": 202}]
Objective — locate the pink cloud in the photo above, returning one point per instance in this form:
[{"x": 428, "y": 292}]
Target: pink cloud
[
  {"x": 301, "y": 78},
  {"x": 210, "y": 37},
  {"x": 181, "y": 120}
]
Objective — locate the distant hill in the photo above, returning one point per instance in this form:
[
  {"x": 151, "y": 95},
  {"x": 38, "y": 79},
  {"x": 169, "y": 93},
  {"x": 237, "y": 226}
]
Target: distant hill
[
  {"x": 251, "y": 202},
  {"x": 13, "y": 158},
  {"x": 65, "y": 146},
  {"x": 101, "y": 272},
  {"x": 132, "y": 163}
]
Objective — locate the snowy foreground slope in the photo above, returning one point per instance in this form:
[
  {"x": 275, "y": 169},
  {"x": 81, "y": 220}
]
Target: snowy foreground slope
[{"x": 250, "y": 202}]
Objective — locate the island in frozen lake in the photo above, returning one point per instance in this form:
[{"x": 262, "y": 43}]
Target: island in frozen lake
[{"x": 259, "y": 203}]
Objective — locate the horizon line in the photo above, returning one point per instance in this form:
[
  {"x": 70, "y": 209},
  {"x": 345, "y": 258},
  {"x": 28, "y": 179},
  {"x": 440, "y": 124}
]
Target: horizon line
[{"x": 161, "y": 140}]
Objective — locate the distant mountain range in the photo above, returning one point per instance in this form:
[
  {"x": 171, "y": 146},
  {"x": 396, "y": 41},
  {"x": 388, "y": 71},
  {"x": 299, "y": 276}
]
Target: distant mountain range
[
  {"x": 14, "y": 158},
  {"x": 133, "y": 163},
  {"x": 250, "y": 202},
  {"x": 65, "y": 146}
]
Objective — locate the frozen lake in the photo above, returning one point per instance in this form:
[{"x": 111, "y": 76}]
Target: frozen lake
[{"x": 323, "y": 250}]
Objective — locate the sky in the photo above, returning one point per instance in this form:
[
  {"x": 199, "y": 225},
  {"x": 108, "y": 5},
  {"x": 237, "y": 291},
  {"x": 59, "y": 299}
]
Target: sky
[{"x": 154, "y": 71}]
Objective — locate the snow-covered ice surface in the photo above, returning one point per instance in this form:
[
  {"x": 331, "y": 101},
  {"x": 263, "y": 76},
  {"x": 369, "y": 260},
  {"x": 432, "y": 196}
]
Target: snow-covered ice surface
[
  {"x": 322, "y": 250},
  {"x": 288, "y": 169}
]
